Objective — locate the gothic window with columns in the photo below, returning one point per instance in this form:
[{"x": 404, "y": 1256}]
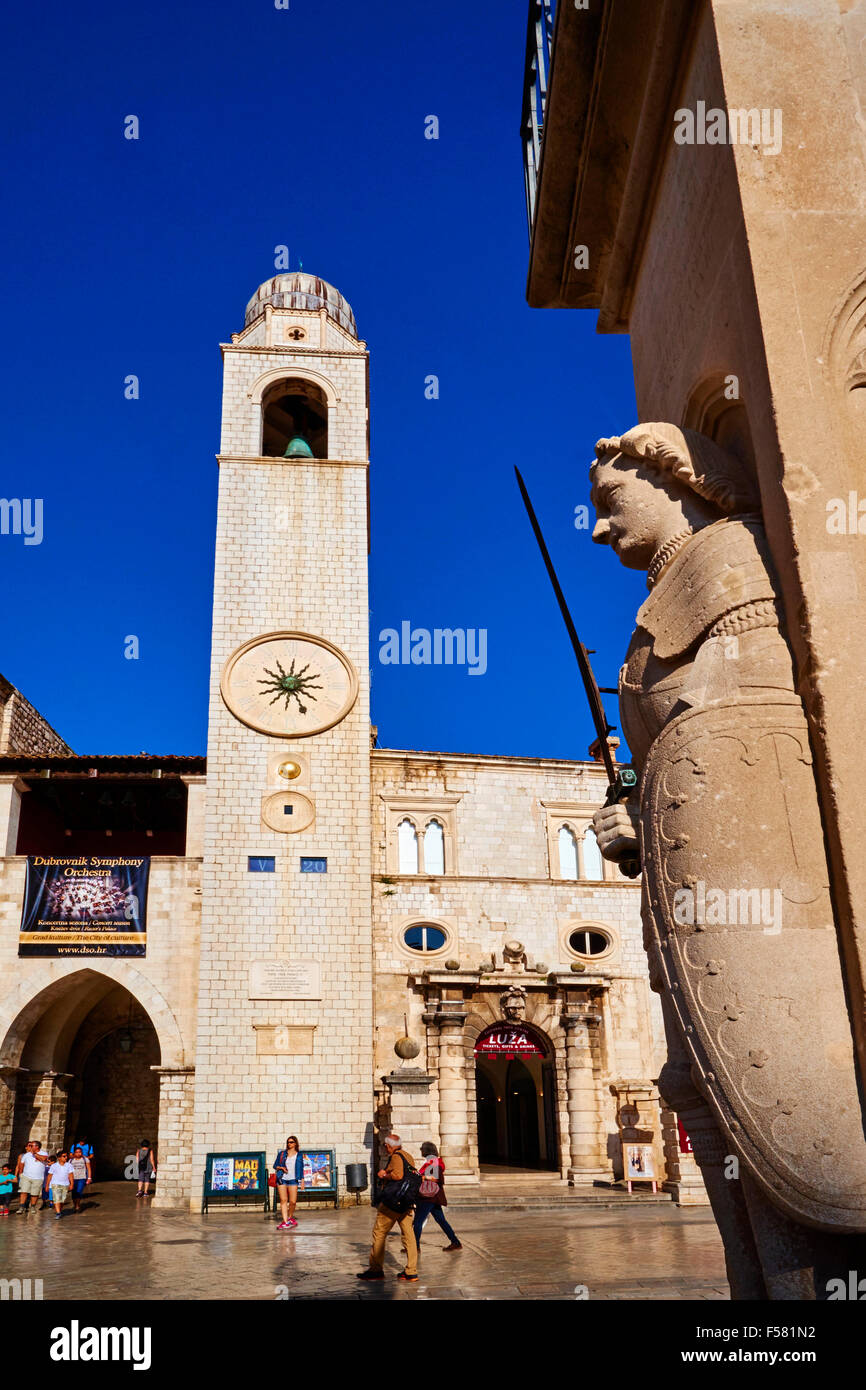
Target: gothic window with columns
[
  {"x": 420, "y": 834},
  {"x": 573, "y": 850}
]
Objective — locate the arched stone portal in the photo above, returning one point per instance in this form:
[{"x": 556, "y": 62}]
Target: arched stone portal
[
  {"x": 83, "y": 1056},
  {"x": 515, "y": 1098}
]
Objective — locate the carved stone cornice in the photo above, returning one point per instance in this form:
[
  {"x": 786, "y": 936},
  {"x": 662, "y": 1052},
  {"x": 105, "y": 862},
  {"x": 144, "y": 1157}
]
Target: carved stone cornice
[
  {"x": 587, "y": 1013},
  {"x": 447, "y": 1011},
  {"x": 408, "y": 1078}
]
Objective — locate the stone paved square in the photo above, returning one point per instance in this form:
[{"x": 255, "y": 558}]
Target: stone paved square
[{"x": 121, "y": 1249}]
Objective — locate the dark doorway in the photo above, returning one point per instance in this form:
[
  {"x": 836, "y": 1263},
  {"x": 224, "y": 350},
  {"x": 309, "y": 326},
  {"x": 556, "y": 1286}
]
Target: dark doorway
[
  {"x": 120, "y": 1096},
  {"x": 523, "y": 1136},
  {"x": 516, "y": 1112}
]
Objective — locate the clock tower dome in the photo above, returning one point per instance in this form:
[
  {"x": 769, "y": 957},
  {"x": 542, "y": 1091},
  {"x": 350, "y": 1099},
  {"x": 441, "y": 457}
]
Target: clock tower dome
[{"x": 285, "y": 1020}]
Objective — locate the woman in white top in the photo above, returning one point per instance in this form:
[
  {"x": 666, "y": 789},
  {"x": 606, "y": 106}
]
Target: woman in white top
[{"x": 289, "y": 1168}]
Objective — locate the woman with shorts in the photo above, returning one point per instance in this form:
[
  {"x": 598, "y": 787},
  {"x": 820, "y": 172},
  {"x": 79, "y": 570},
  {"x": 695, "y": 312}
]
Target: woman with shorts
[
  {"x": 80, "y": 1177},
  {"x": 146, "y": 1165},
  {"x": 289, "y": 1168}
]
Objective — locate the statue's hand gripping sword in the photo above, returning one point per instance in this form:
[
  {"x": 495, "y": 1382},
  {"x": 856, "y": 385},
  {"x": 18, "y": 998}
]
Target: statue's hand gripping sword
[{"x": 621, "y": 780}]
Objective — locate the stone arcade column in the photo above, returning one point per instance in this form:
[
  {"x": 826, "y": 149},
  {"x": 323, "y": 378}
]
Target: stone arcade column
[
  {"x": 11, "y": 790},
  {"x": 8, "y": 1090},
  {"x": 586, "y": 1164},
  {"x": 450, "y": 1019},
  {"x": 176, "y": 1096}
]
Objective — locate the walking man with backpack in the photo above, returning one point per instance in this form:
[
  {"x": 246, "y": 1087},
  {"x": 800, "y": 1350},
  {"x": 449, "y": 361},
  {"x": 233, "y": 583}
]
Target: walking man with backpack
[{"x": 399, "y": 1193}]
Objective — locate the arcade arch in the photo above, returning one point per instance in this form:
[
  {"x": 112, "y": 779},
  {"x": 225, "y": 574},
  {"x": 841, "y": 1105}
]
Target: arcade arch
[{"x": 84, "y": 1056}]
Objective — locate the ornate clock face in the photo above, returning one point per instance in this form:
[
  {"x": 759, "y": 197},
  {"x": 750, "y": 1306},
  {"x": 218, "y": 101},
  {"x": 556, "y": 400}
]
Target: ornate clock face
[{"x": 288, "y": 684}]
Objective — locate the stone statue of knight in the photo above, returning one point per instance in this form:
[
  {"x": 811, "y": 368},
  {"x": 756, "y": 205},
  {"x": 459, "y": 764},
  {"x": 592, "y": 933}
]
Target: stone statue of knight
[{"x": 738, "y": 921}]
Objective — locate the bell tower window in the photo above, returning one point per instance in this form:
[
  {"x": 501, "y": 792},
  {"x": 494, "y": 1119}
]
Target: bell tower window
[{"x": 294, "y": 420}]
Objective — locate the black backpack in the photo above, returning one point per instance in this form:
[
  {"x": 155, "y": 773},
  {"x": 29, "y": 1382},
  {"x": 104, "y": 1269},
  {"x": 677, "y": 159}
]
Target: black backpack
[{"x": 401, "y": 1194}]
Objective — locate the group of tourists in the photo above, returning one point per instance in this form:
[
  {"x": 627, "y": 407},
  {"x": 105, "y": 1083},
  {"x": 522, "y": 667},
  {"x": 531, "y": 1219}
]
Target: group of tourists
[
  {"x": 44, "y": 1180},
  {"x": 406, "y": 1197}
]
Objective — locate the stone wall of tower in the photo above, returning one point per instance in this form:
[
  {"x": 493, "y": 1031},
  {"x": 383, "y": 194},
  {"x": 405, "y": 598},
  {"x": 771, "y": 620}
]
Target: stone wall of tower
[{"x": 291, "y": 553}]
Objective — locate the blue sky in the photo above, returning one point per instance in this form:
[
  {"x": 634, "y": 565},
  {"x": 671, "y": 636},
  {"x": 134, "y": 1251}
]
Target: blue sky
[{"x": 305, "y": 127}]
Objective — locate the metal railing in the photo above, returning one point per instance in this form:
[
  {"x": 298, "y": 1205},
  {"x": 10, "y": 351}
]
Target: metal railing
[{"x": 539, "y": 40}]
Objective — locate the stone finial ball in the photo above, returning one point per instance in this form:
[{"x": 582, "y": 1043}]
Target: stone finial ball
[
  {"x": 407, "y": 1048},
  {"x": 452, "y": 965},
  {"x": 541, "y": 967},
  {"x": 578, "y": 967}
]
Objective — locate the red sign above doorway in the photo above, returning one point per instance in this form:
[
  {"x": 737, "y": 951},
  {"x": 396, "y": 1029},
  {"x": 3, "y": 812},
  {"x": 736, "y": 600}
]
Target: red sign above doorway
[{"x": 507, "y": 1040}]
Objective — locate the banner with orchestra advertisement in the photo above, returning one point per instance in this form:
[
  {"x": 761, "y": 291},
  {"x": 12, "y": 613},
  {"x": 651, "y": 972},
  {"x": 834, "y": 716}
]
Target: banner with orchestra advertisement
[{"x": 90, "y": 905}]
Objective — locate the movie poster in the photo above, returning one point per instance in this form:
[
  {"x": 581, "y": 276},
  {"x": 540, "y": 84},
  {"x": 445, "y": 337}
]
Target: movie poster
[
  {"x": 317, "y": 1168},
  {"x": 90, "y": 905},
  {"x": 235, "y": 1173}
]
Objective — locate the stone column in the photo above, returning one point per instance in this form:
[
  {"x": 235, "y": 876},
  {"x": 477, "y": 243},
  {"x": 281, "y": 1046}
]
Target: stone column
[
  {"x": 55, "y": 1105},
  {"x": 8, "y": 1090},
  {"x": 195, "y": 808},
  {"x": 11, "y": 789},
  {"x": 47, "y": 1093},
  {"x": 587, "y": 1164},
  {"x": 453, "y": 1101},
  {"x": 173, "y": 1154},
  {"x": 409, "y": 1095}
]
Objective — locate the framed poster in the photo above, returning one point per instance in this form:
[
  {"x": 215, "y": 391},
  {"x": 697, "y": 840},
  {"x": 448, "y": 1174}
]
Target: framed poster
[
  {"x": 89, "y": 905},
  {"x": 320, "y": 1177},
  {"x": 320, "y": 1171},
  {"x": 638, "y": 1162},
  {"x": 239, "y": 1176}
]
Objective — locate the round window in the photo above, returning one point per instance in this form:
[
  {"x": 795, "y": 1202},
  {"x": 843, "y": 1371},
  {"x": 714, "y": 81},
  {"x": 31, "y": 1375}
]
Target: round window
[
  {"x": 424, "y": 937},
  {"x": 589, "y": 943}
]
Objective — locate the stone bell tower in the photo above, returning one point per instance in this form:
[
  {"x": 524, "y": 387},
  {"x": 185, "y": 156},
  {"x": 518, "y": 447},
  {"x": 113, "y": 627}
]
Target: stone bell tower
[{"x": 285, "y": 994}]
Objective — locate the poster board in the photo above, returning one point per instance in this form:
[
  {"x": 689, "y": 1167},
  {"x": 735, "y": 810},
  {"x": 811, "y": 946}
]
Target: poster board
[
  {"x": 84, "y": 905},
  {"x": 321, "y": 1179},
  {"x": 237, "y": 1177},
  {"x": 638, "y": 1163}
]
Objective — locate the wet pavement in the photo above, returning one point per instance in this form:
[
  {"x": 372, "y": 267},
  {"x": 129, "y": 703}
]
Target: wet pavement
[{"x": 120, "y": 1248}]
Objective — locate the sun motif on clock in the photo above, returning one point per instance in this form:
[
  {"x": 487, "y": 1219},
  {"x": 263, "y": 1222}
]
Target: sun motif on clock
[{"x": 289, "y": 684}]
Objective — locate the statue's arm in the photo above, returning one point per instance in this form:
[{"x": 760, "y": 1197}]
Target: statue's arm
[{"x": 617, "y": 830}]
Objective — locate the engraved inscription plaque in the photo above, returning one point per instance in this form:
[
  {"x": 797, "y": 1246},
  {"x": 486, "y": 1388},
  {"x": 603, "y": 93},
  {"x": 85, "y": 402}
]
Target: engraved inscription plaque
[{"x": 285, "y": 979}]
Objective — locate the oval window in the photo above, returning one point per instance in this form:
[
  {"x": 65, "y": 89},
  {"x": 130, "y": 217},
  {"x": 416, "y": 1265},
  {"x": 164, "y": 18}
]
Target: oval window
[
  {"x": 424, "y": 937},
  {"x": 588, "y": 943}
]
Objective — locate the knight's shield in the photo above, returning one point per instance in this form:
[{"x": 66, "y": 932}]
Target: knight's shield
[{"x": 737, "y": 894}]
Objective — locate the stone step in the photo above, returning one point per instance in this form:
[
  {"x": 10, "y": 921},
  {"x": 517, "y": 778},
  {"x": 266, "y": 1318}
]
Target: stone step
[{"x": 465, "y": 1199}]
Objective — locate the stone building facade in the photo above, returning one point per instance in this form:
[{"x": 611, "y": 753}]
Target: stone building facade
[{"x": 318, "y": 902}]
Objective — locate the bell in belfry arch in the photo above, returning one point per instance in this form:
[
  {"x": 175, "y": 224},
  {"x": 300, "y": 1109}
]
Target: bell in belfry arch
[{"x": 298, "y": 448}]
